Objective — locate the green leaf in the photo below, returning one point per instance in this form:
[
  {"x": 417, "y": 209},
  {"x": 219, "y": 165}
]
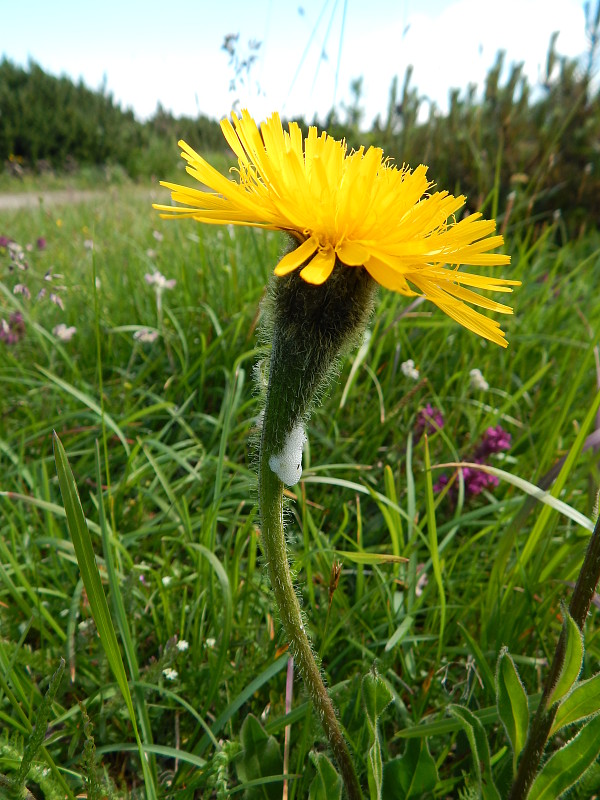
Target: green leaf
[
  {"x": 511, "y": 700},
  {"x": 375, "y": 769},
  {"x": 376, "y": 697},
  {"x": 260, "y": 758},
  {"x": 479, "y": 750},
  {"x": 571, "y": 666},
  {"x": 86, "y": 560},
  {"x": 411, "y": 775},
  {"x": 400, "y": 632},
  {"x": 583, "y": 702},
  {"x": 327, "y": 784},
  {"x": 567, "y": 765}
]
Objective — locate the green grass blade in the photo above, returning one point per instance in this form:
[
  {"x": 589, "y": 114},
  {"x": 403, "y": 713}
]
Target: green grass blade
[
  {"x": 95, "y": 593},
  {"x": 433, "y": 548}
]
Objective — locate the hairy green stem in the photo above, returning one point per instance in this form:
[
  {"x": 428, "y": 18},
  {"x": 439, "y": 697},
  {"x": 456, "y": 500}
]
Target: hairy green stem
[
  {"x": 275, "y": 551},
  {"x": 309, "y": 327},
  {"x": 581, "y": 599}
]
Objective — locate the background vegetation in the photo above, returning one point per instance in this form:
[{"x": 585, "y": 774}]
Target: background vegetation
[{"x": 149, "y": 386}]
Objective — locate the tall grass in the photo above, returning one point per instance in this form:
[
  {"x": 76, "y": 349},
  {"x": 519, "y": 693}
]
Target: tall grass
[{"x": 158, "y": 436}]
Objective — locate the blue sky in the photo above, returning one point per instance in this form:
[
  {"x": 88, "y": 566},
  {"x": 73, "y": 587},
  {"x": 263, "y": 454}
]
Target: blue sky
[{"x": 154, "y": 52}]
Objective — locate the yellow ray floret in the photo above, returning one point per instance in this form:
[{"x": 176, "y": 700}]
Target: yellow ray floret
[{"x": 357, "y": 208}]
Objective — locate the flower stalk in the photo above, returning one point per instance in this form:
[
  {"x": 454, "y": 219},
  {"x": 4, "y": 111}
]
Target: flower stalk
[{"x": 310, "y": 326}]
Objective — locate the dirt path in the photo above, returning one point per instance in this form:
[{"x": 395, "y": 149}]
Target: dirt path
[{"x": 10, "y": 201}]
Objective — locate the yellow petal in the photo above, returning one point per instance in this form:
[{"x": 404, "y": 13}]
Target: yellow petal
[
  {"x": 320, "y": 268},
  {"x": 352, "y": 253},
  {"x": 388, "y": 277},
  {"x": 293, "y": 260}
]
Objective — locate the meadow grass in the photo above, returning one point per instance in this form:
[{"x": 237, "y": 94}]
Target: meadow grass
[{"x": 159, "y": 436}]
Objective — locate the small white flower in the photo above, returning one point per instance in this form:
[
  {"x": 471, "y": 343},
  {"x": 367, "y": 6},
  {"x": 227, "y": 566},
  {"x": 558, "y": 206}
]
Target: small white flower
[
  {"x": 159, "y": 280},
  {"x": 20, "y": 288},
  {"x": 182, "y": 645},
  {"x": 145, "y": 335},
  {"x": 15, "y": 249},
  {"x": 170, "y": 674},
  {"x": 57, "y": 300},
  {"x": 88, "y": 244},
  {"x": 210, "y": 642},
  {"x": 409, "y": 370},
  {"x": 158, "y": 236},
  {"x": 98, "y": 283},
  {"x": 151, "y": 253},
  {"x": 478, "y": 381},
  {"x": 166, "y": 580},
  {"x": 64, "y": 333},
  {"x": 421, "y": 584}
]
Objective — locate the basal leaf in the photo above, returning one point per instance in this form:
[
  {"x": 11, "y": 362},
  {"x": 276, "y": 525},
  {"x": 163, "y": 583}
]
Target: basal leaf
[
  {"x": 327, "y": 784},
  {"x": 412, "y": 775},
  {"x": 260, "y": 758},
  {"x": 480, "y": 751}
]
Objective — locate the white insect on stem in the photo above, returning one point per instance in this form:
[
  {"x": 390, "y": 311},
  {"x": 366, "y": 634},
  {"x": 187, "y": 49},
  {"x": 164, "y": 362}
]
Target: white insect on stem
[{"x": 287, "y": 464}]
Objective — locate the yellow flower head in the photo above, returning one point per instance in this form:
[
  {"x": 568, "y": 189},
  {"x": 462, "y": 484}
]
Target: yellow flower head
[{"x": 358, "y": 208}]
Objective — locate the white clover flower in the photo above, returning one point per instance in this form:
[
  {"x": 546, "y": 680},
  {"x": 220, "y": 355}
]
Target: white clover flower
[
  {"x": 409, "y": 370},
  {"x": 166, "y": 580},
  {"x": 478, "y": 381},
  {"x": 170, "y": 674},
  {"x": 145, "y": 336},
  {"x": 63, "y": 332},
  {"x": 182, "y": 645}
]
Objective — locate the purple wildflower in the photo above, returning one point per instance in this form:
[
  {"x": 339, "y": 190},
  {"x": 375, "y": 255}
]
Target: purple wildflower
[
  {"x": 13, "y": 330},
  {"x": 494, "y": 440},
  {"x": 476, "y": 480},
  {"x": 4, "y": 241},
  {"x": 41, "y": 243}
]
